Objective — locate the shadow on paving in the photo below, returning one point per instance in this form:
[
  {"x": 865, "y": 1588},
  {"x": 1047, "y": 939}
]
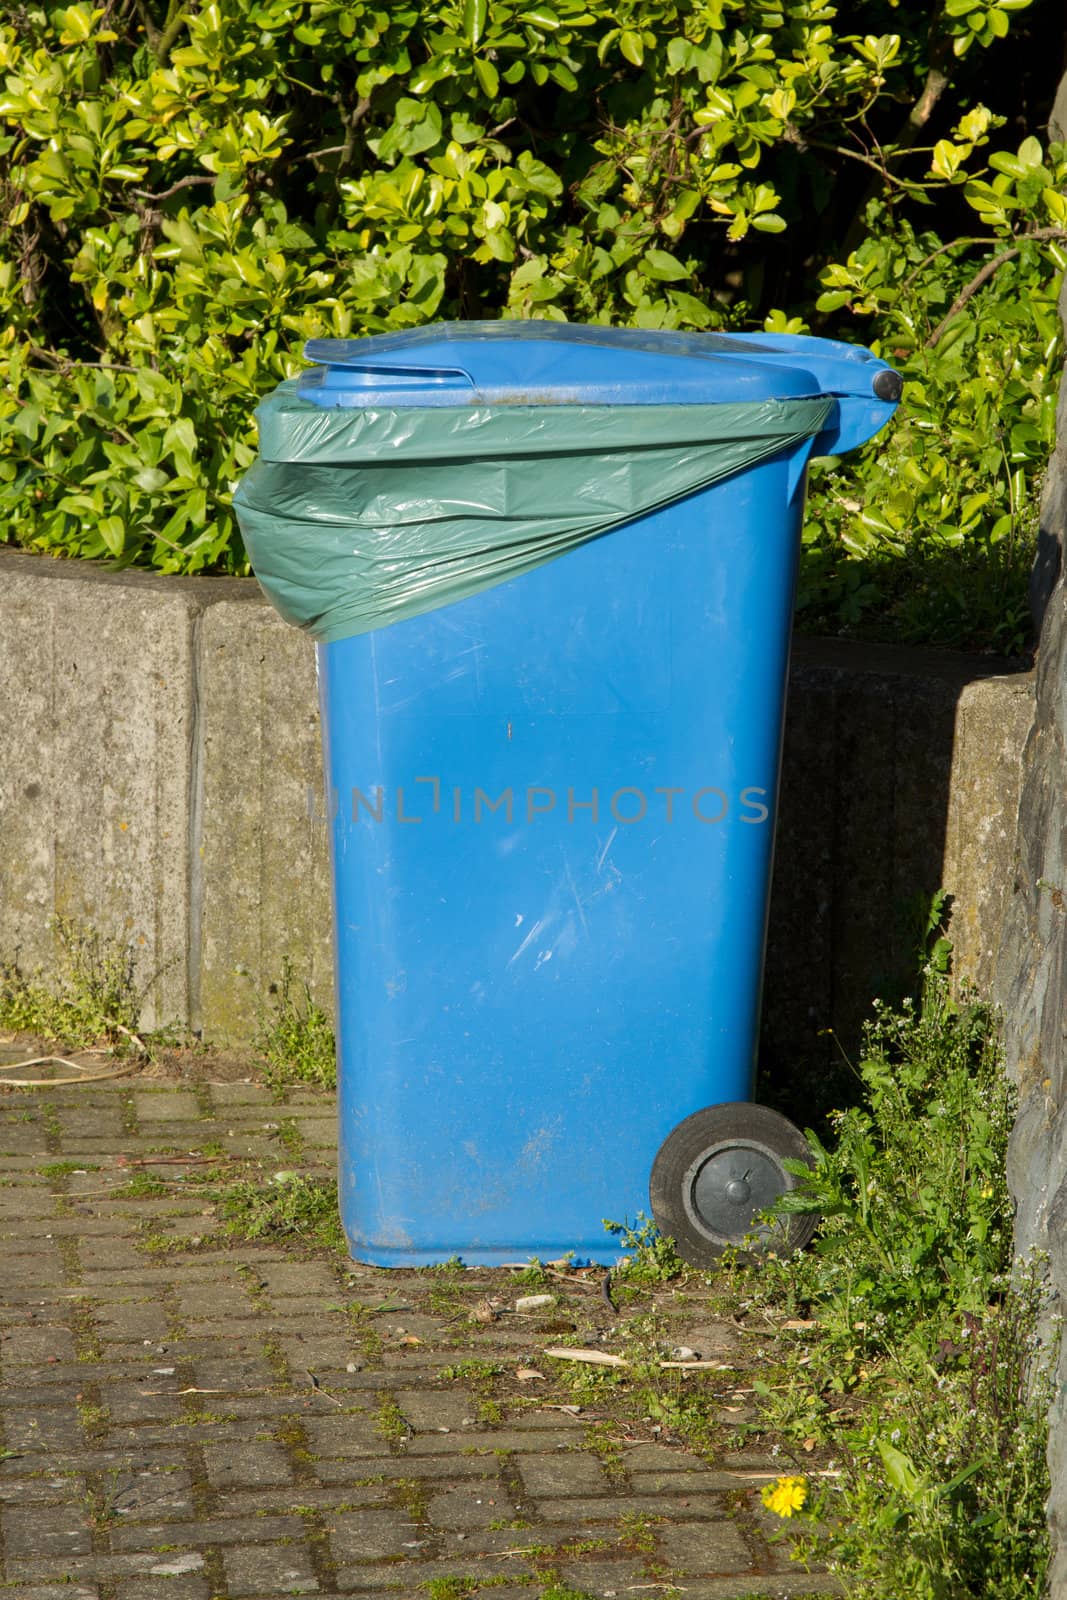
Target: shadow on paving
[{"x": 188, "y": 1417}]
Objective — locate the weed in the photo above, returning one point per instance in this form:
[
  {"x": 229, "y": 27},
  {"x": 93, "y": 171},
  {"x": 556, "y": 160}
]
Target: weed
[
  {"x": 601, "y": 1442},
  {"x": 63, "y": 1169},
  {"x": 444, "y": 1300},
  {"x": 290, "y": 1138},
  {"x": 390, "y": 1422},
  {"x": 454, "y": 1267},
  {"x": 101, "y": 1500},
  {"x": 582, "y": 1547},
  {"x": 413, "y": 1496},
  {"x": 652, "y": 1259},
  {"x": 290, "y": 1207},
  {"x": 141, "y": 1186},
  {"x": 479, "y": 1373},
  {"x": 945, "y": 1484},
  {"x": 638, "y": 1533},
  {"x": 158, "y": 1244},
  {"x": 918, "y": 1316},
  {"x": 455, "y": 1588},
  {"x": 914, "y": 1197},
  {"x": 297, "y": 1042},
  {"x": 533, "y": 1274},
  {"x": 94, "y": 997},
  {"x": 95, "y": 1419}
]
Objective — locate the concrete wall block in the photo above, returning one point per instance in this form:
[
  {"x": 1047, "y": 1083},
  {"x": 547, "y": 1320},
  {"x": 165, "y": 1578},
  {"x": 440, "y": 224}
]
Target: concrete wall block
[
  {"x": 96, "y": 677},
  {"x": 899, "y": 777},
  {"x": 263, "y": 889},
  {"x": 993, "y": 721},
  {"x": 163, "y": 778}
]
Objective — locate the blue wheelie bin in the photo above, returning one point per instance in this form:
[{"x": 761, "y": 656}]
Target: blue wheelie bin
[{"x": 551, "y": 571}]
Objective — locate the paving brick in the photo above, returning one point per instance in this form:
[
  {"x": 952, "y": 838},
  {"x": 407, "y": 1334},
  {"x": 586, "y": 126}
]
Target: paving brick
[
  {"x": 59, "y": 1531},
  {"x": 126, "y": 1404},
  {"x": 285, "y": 1499},
  {"x": 37, "y": 1343},
  {"x": 43, "y": 1428},
  {"x": 617, "y": 1505},
  {"x": 190, "y": 1586},
  {"x": 370, "y": 1535},
  {"x": 473, "y": 1505},
  {"x": 61, "y": 1591},
  {"x": 301, "y": 1278},
  {"x": 135, "y": 1492},
  {"x": 318, "y": 1130},
  {"x": 139, "y": 1320},
  {"x": 561, "y": 1473},
  {"x": 209, "y": 1301},
  {"x": 209, "y": 1530},
  {"x": 75, "y": 1569},
  {"x": 703, "y": 1549},
  {"x": 432, "y": 1469},
  {"x": 409, "y": 1581},
  {"x": 345, "y": 1436},
  {"x": 170, "y": 1105},
  {"x": 16, "y": 1491},
  {"x": 37, "y": 1268},
  {"x": 472, "y": 1438},
  {"x": 218, "y": 1471},
  {"x": 234, "y": 1094},
  {"x": 269, "y": 1569},
  {"x": 110, "y": 1253},
  {"x": 427, "y": 1411},
  {"x": 695, "y": 1481},
  {"x": 658, "y": 1458},
  {"x": 241, "y": 1371},
  {"x": 246, "y": 1464}
]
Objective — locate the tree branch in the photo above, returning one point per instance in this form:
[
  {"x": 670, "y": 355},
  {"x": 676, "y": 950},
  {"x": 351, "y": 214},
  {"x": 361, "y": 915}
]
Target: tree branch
[
  {"x": 795, "y": 136},
  {"x": 923, "y": 109},
  {"x": 175, "y": 22},
  {"x": 64, "y": 364},
  {"x": 940, "y": 251},
  {"x": 983, "y": 276},
  {"x": 182, "y": 183},
  {"x": 352, "y": 122}
]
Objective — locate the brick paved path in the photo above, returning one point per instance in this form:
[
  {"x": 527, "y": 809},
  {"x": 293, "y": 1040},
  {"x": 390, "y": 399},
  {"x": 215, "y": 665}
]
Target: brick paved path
[{"x": 162, "y": 1438}]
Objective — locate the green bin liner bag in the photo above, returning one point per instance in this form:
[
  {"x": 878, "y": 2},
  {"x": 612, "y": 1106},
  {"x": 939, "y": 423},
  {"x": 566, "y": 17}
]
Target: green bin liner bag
[{"x": 355, "y": 518}]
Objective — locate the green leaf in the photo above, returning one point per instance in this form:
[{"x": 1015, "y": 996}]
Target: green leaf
[
  {"x": 487, "y": 76},
  {"x": 661, "y": 265},
  {"x": 113, "y": 532},
  {"x": 900, "y": 1469},
  {"x": 540, "y": 17},
  {"x": 632, "y": 46},
  {"x": 475, "y": 13}
]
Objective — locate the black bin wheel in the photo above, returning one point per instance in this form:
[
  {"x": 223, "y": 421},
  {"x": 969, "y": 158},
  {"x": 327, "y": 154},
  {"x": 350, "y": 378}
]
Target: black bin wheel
[{"x": 716, "y": 1171}]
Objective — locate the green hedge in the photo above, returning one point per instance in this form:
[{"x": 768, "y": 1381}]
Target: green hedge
[{"x": 188, "y": 196}]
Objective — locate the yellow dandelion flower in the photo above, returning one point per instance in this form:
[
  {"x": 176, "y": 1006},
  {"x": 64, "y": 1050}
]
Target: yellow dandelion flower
[{"x": 785, "y": 1496}]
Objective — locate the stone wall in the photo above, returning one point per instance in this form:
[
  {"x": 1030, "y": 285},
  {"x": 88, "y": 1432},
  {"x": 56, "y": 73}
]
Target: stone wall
[
  {"x": 1031, "y": 965},
  {"x": 160, "y": 738},
  {"x": 161, "y": 778}
]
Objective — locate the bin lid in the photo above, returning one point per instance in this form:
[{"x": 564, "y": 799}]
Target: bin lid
[
  {"x": 413, "y": 470},
  {"x": 554, "y": 363}
]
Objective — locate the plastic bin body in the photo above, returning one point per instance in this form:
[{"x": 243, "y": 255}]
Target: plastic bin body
[{"x": 552, "y": 813}]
